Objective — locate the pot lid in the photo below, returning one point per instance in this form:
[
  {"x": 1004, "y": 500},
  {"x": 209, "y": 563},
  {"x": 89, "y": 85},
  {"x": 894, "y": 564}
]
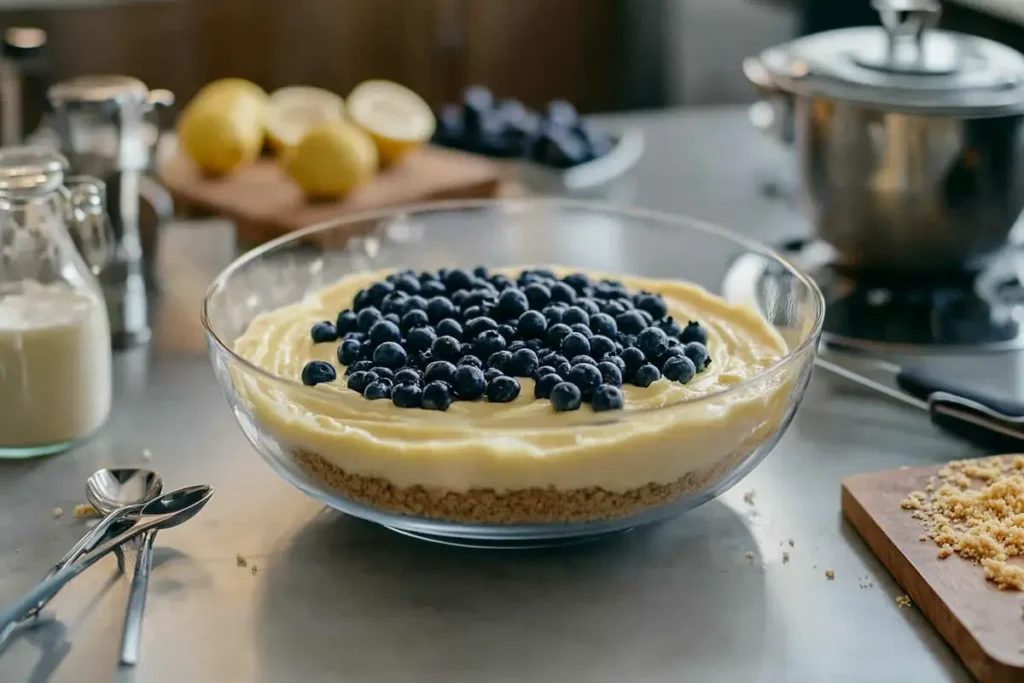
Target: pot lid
[
  {"x": 906, "y": 65},
  {"x": 99, "y": 89}
]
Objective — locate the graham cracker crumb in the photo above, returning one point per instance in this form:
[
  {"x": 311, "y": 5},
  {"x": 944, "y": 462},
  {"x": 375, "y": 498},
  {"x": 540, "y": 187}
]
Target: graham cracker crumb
[
  {"x": 520, "y": 506},
  {"x": 751, "y": 556},
  {"x": 57, "y": 512},
  {"x": 975, "y": 509},
  {"x": 84, "y": 511},
  {"x": 830, "y": 574},
  {"x": 748, "y": 497},
  {"x": 785, "y": 558},
  {"x": 254, "y": 569},
  {"x": 903, "y": 601},
  {"x": 240, "y": 561}
]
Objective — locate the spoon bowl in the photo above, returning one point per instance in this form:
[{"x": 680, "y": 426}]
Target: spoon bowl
[
  {"x": 110, "y": 489},
  {"x": 177, "y": 507}
]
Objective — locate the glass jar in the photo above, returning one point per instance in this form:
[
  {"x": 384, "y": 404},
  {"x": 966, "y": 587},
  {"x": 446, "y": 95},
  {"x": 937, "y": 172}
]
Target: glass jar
[{"x": 55, "y": 347}]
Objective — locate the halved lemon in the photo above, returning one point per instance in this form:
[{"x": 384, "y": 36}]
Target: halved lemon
[
  {"x": 295, "y": 110},
  {"x": 396, "y": 118}
]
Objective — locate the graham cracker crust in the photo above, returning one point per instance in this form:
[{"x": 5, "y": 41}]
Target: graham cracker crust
[{"x": 522, "y": 506}]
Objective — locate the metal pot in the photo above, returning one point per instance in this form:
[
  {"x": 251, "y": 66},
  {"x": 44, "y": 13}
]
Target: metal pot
[{"x": 910, "y": 139}]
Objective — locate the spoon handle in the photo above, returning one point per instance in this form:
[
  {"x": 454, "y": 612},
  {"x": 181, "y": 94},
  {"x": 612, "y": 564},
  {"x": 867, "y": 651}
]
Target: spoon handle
[{"x": 132, "y": 633}]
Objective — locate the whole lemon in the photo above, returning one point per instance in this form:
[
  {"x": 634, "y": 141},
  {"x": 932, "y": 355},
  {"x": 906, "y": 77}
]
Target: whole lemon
[
  {"x": 223, "y": 130},
  {"x": 331, "y": 159}
]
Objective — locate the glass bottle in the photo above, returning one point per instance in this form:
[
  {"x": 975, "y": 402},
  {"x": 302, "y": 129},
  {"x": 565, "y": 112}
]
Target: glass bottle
[{"x": 55, "y": 346}]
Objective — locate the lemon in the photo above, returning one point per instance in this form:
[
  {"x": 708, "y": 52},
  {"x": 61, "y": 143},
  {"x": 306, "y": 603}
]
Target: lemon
[
  {"x": 236, "y": 86},
  {"x": 222, "y": 130},
  {"x": 331, "y": 159},
  {"x": 396, "y": 118},
  {"x": 294, "y": 110}
]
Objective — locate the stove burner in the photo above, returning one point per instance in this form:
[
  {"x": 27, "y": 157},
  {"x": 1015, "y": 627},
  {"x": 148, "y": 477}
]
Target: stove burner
[{"x": 949, "y": 311}]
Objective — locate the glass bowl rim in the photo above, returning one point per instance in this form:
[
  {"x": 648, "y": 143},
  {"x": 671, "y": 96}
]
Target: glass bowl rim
[{"x": 665, "y": 218}]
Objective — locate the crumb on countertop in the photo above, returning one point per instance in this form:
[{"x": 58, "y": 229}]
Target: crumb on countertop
[
  {"x": 146, "y": 454},
  {"x": 975, "y": 509},
  {"x": 751, "y": 556},
  {"x": 903, "y": 601},
  {"x": 57, "y": 512},
  {"x": 240, "y": 560},
  {"x": 254, "y": 569},
  {"x": 785, "y": 558},
  {"x": 748, "y": 497},
  {"x": 792, "y": 543},
  {"x": 85, "y": 511},
  {"x": 830, "y": 574}
]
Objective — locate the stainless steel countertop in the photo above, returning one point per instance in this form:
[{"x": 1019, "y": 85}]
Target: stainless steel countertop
[{"x": 335, "y": 598}]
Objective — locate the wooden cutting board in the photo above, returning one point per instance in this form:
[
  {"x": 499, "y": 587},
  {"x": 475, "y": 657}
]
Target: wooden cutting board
[
  {"x": 984, "y": 625},
  {"x": 264, "y": 203}
]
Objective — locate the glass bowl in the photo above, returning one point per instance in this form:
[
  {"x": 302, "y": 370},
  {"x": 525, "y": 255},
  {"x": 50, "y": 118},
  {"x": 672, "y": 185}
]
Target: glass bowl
[{"x": 570, "y": 476}]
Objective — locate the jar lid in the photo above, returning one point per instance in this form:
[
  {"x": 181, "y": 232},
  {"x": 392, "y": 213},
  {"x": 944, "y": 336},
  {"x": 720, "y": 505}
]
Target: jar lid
[
  {"x": 905, "y": 66},
  {"x": 99, "y": 89},
  {"x": 31, "y": 169}
]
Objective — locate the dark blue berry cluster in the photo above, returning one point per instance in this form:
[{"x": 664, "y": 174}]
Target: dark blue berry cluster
[
  {"x": 427, "y": 340},
  {"x": 559, "y": 137}
]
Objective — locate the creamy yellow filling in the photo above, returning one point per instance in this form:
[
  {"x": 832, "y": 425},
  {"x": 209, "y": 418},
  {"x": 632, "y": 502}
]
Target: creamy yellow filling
[{"x": 659, "y": 437}]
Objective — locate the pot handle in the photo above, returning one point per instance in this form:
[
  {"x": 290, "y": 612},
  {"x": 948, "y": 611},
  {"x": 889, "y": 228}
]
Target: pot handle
[
  {"x": 756, "y": 72},
  {"x": 771, "y": 115}
]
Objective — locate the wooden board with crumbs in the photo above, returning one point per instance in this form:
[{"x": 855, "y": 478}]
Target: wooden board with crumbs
[
  {"x": 983, "y": 624},
  {"x": 265, "y": 204}
]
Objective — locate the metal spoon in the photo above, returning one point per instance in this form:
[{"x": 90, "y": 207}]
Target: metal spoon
[
  {"x": 120, "y": 495},
  {"x": 109, "y": 490},
  {"x": 165, "y": 512}
]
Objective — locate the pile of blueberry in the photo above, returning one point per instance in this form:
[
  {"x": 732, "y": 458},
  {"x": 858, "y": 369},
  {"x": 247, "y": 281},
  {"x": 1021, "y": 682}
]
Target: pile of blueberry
[
  {"x": 508, "y": 129},
  {"x": 426, "y": 340}
]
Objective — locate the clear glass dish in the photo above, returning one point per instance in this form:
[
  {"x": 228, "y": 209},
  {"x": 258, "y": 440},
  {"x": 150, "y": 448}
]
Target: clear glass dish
[{"x": 503, "y": 233}]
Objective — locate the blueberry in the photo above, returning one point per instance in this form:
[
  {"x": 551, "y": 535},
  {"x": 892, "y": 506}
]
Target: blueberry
[
  {"x": 407, "y": 396},
  {"x": 553, "y": 314},
  {"x": 633, "y": 358},
  {"x": 610, "y": 373},
  {"x": 469, "y": 382},
  {"x": 670, "y": 327},
  {"x": 508, "y": 332},
  {"x": 427, "y": 276},
  {"x": 543, "y": 370},
  {"x": 359, "y": 366},
  {"x": 384, "y": 372},
  {"x": 459, "y": 298},
  {"x": 670, "y": 353},
  {"x": 384, "y": 331},
  {"x": 694, "y": 332},
  {"x": 583, "y": 359},
  {"x": 481, "y": 272},
  {"x": 698, "y": 353},
  {"x": 544, "y": 385},
  {"x": 564, "y": 150},
  {"x": 491, "y": 373},
  {"x": 440, "y": 371},
  {"x": 512, "y": 303},
  {"x": 361, "y": 301},
  {"x": 612, "y": 308},
  {"x": 422, "y": 359},
  {"x": 358, "y": 381},
  {"x": 436, "y": 396},
  {"x": 473, "y": 312},
  {"x": 377, "y": 390},
  {"x": 535, "y": 345},
  {"x": 626, "y": 340},
  {"x": 394, "y": 303},
  {"x": 532, "y": 325},
  {"x": 563, "y": 368},
  {"x": 412, "y": 320},
  {"x": 420, "y": 339},
  {"x": 489, "y": 342},
  {"x": 473, "y": 328},
  {"x": 537, "y": 295},
  {"x": 413, "y": 303},
  {"x": 630, "y": 322},
  {"x": 346, "y": 322},
  {"x": 408, "y": 284},
  {"x": 580, "y": 328},
  {"x": 575, "y": 344},
  {"x": 576, "y": 315},
  {"x": 522, "y": 363},
  {"x": 646, "y": 375},
  {"x": 553, "y": 359},
  {"x": 446, "y": 348},
  {"x": 432, "y": 288},
  {"x": 471, "y": 360},
  {"x": 584, "y": 376},
  {"x": 653, "y": 342},
  {"x": 617, "y": 362},
  {"x": 557, "y": 334},
  {"x": 652, "y": 304},
  {"x": 318, "y": 371},
  {"x": 348, "y": 351},
  {"x": 392, "y": 318},
  {"x": 607, "y": 397},
  {"x": 563, "y": 292},
  {"x": 379, "y": 290},
  {"x": 439, "y": 308},
  {"x": 498, "y": 360},
  {"x": 324, "y": 332},
  {"x": 604, "y": 324},
  {"x": 503, "y": 389},
  {"x": 601, "y": 346},
  {"x": 408, "y": 376},
  {"x": 390, "y": 355},
  {"x": 647, "y": 318},
  {"x": 566, "y": 396},
  {"x": 367, "y": 318},
  {"x": 578, "y": 281},
  {"x": 515, "y": 346},
  {"x": 457, "y": 279},
  {"x": 478, "y": 297},
  {"x": 501, "y": 282},
  {"x": 588, "y": 305},
  {"x": 679, "y": 369}
]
